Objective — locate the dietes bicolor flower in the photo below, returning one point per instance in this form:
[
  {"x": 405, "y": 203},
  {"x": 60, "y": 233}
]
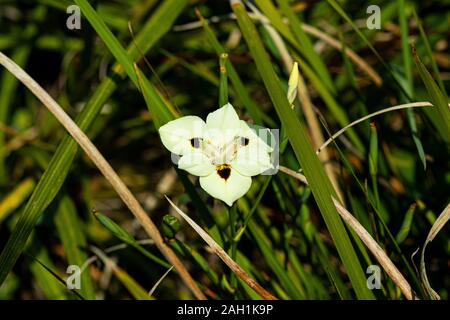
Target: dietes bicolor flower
[{"x": 223, "y": 151}]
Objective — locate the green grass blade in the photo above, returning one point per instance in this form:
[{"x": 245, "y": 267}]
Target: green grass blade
[
  {"x": 407, "y": 67},
  {"x": 124, "y": 236},
  {"x": 198, "y": 68},
  {"x": 406, "y": 53},
  {"x": 223, "y": 85},
  {"x": 307, "y": 47},
  {"x": 335, "y": 109},
  {"x": 155, "y": 103},
  {"x": 429, "y": 51},
  {"x": 107, "y": 36},
  {"x": 344, "y": 15},
  {"x": 316, "y": 74},
  {"x": 236, "y": 81},
  {"x": 350, "y": 75},
  {"x": 59, "y": 166},
  {"x": 297, "y": 39},
  {"x": 407, "y": 62},
  {"x": 15, "y": 198},
  {"x": 8, "y": 84},
  {"x": 47, "y": 280},
  {"x": 440, "y": 112},
  {"x": 274, "y": 263},
  {"x": 46, "y": 190},
  {"x": 132, "y": 285},
  {"x": 73, "y": 239},
  {"x": 159, "y": 24},
  {"x": 332, "y": 274},
  {"x": 319, "y": 183},
  {"x": 391, "y": 74},
  {"x": 406, "y": 224},
  {"x": 51, "y": 282},
  {"x": 314, "y": 288},
  {"x": 198, "y": 258},
  {"x": 373, "y": 162}
]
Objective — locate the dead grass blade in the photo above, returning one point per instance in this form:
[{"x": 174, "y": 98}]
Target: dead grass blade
[
  {"x": 399, "y": 107},
  {"x": 152, "y": 290},
  {"x": 224, "y": 256},
  {"x": 377, "y": 251},
  {"x": 363, "y": 65},
  {"x": 315, "y": 32},
  {"x": 437, "y": 226},
  {"x": 307, "y": 106},
  {"x": 367, "y": 239},
  {"x": 105, "y": 168}
]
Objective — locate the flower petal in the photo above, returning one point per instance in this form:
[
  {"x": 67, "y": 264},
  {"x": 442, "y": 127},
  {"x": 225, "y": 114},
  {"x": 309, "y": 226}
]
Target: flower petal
[
  {"x": 251, "y": 160},
  {"x": 196, "y": 163},
  {"x": 252, "y": 153},
  {"x": 257, "y": 136},
  {"x": 223, "y": 125},
  {"x": 226, "y": 187},
  {"x": 177, "y": 135},
  {"x": 223, "y": 118}
]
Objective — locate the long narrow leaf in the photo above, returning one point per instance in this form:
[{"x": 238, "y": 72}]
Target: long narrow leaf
[
  {"x": 74, "y": 241},
  {"x": 440, "y": 113},
  {"x": 296, "y": 133},
  {"x": 60, "y": 164}
]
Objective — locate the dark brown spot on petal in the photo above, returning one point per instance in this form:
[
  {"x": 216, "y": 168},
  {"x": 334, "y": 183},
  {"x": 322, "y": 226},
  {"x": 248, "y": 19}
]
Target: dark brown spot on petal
[
  {"x": 244, "y": 141},
  {"x": 224, "y": 171},
  {"x": 195, "y": 142}
]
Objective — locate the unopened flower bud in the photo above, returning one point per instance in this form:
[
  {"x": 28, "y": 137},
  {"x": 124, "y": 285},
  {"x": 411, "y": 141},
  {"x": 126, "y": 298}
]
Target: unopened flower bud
[{"x": 293, "y": 84}]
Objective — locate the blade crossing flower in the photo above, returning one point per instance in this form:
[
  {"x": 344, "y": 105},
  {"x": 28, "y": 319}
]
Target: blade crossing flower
[{"x": 223, "y": 151}]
